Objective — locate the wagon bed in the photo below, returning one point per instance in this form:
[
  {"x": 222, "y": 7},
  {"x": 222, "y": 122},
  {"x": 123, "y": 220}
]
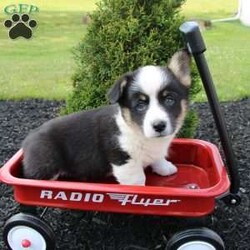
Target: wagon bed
[{"x": 201, "y": 177}]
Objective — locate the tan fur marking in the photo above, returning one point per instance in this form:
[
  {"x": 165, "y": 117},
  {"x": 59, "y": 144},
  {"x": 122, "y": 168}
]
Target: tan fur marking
[
  {"x": 181, "y": 117},
  {"x": 180, "y": 65},
  {"x": 123, "y": 84},
  {"x": 143, "y": 97},
  {"x": 128, "y": 120}
]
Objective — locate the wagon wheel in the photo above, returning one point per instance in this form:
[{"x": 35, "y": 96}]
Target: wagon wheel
[
  {"x": 26, "y": 231},
  {"x": 196, "y": 239}
]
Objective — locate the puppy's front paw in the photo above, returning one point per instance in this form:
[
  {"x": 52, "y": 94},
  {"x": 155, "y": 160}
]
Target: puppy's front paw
[
  {"x": 129, "y": 174},
  {"x": 164, "y": 167},
  {"x": 139, "y": 180}
]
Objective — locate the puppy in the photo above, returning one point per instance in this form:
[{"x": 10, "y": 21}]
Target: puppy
[{"x": 147, "y": 109}]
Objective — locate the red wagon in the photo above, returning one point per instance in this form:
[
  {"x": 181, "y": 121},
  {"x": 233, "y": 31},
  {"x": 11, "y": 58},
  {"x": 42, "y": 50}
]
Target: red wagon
[{"x": 192, "y": 192}]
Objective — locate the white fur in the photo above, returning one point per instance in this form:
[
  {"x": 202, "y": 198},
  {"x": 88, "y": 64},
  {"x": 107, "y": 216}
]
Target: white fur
[
  {"x": 155, "y": 113},
  {"x": 151, "y": 79},
  {"x": 144, "y": 145},
  {"x": 164, "y": 167},
  {"x": 131, "y": 173},
  {"x": 143, "y": 152}
]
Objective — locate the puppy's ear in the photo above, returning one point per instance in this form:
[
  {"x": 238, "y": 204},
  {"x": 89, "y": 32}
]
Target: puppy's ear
[
  {"x": 179, "y": 64},
  {"x": 117, "y": 90}
]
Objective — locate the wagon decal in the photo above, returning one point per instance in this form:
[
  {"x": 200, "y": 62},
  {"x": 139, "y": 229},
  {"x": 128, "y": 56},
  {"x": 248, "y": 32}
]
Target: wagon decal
[
  {"x": 135, "y": 200},
  {"x": 123, "y": 199},
  {"x": 71, "y": 196}
]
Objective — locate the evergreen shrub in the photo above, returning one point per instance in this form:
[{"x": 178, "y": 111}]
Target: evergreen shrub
[{"x": 122, "y": 36}]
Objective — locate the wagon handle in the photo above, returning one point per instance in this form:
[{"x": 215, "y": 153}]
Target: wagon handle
[{"x": 196, "y": 46}]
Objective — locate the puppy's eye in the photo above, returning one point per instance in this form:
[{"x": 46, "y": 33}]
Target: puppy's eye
[
  {"x": 170, "y": 99},
  {"x": 141, "y": 105}
]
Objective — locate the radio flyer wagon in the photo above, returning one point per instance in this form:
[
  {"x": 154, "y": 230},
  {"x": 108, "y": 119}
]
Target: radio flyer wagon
[{"x": 201, "y": 179}]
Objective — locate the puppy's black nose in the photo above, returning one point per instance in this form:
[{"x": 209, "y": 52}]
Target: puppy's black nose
[{"x": 159, "y": 126}]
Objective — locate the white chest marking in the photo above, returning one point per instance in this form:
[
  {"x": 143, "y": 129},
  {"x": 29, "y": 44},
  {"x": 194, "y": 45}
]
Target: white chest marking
[{"x": 141, "y": 149}]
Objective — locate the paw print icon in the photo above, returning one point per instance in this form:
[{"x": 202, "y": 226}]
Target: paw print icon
[{"x": 20, "y": 26}]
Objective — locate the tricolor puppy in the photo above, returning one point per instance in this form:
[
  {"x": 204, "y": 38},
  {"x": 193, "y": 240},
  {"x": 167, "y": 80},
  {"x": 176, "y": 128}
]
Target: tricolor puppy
[{"x": 147, "y": 109}]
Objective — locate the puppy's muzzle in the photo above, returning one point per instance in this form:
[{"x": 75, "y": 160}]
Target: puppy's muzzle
[{"x": 159, "y": 126}]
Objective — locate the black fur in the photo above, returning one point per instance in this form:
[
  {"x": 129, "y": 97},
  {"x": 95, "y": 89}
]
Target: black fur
[
  {"x": 80, "y": 145},
  {"x": 130, "y": 96},
  {"x": 176, "y": 93},
  {"x": 85, "y": 144},
  {"x": 117, "y": 90}
]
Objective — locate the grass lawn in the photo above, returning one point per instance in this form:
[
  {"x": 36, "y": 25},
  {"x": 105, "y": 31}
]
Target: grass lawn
[
  {"x": 227, "y": 54},
  {"x": 42, "y": 66},
  {"x": 229, "y": 60},
  {"x": 210, "y": 9}
]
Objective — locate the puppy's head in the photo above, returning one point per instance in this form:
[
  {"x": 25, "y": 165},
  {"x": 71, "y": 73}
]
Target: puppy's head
[{"x": 155, "y": 98}]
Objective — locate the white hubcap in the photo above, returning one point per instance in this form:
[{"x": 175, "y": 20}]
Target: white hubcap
[
  {"x": 196, "y": 245},
  {"x": 18, "y": 234}
]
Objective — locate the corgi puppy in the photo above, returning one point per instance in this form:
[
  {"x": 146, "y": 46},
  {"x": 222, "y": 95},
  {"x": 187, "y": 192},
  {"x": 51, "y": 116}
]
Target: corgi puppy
[{"x": 148, "y": 107}]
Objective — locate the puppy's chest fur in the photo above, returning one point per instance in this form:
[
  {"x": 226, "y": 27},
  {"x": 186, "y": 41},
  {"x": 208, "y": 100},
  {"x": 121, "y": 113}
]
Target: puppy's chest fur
[{"x": 143, "y": 150}]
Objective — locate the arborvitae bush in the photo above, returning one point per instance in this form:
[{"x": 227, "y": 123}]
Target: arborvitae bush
[{"x": 122, "y": 36}]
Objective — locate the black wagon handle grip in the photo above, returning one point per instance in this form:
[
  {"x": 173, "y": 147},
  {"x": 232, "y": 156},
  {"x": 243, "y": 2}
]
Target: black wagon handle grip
[
  {"x": 192, "y": 37},
  {"x": 196, "y": 46}
]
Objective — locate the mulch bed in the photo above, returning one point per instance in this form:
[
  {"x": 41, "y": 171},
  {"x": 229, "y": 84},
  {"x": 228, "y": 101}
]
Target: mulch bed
[{"x": 94, "y": 230}]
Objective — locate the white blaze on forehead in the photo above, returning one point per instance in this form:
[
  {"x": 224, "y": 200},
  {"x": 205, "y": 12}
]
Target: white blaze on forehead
[{"x": 150, "y": 79}]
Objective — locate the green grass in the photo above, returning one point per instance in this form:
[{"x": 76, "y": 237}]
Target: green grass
[
  {"x": 229, "y": 59},
  {"x": 227, "y": 54},
  {"x": 42, "y": 66},
  {"x": 209, "y": 9}
]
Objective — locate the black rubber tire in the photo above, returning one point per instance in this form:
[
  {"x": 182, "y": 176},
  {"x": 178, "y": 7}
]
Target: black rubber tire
[
  {"x": 197, "y": 234},
  {"x": 33, "y": 222}
]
